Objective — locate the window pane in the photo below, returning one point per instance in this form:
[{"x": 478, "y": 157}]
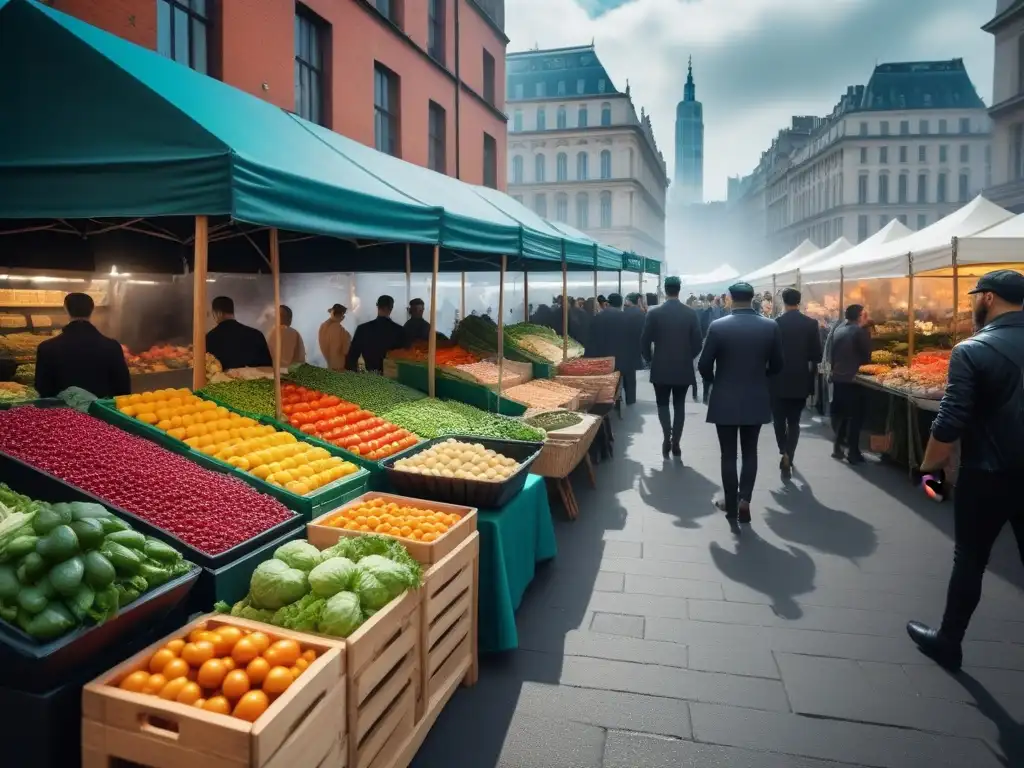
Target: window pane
[
  {"x": 199, "y": 46},
  {"x": 199, "y": 6},
  {"x": 163, "y": 28},
  {"x": 181, "y": 36}
]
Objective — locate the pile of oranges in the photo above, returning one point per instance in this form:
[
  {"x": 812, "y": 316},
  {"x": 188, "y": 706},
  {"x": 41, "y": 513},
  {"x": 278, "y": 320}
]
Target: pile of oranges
[
  {"x": 399, "y": 520},
  {"x": 230, "y": 671}
]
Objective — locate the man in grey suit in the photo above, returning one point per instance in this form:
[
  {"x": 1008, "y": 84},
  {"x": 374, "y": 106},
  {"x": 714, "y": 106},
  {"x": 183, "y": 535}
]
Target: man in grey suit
[
  {"x": 801, "y": 350},
  {"x": 635, "y": 318},
  {"x": 741, "y": 351},
  {"x": 671, "y": 340}
]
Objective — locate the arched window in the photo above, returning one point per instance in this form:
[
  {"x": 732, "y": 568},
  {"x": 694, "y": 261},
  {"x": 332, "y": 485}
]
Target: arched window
[
  {"x": 562, "y": 207},
  {"x": 538, "y": 168},
  {"x": 542, "y": 119},
  {"x": 606, "y": 164},
  {"x": 606, "y": 210},
  {"x": 581, "y": 119},
  {"x": 606, "y": 114},
  {"x": 582, "y": 210},
  {"x": 562, "y": 167},
  {"x": 561, "y": 117},
  {"x": 517, "y": 169},
  {"x": 582, "y": 170}
]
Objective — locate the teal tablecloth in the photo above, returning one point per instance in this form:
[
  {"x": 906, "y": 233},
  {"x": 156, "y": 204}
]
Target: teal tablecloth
[{"x": 512, "y": 541}]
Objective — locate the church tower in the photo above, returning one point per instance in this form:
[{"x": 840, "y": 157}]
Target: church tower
[{"x": 689, "y": 172}]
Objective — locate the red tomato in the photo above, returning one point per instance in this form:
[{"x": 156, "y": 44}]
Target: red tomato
[{"x": 309, "y": 429}]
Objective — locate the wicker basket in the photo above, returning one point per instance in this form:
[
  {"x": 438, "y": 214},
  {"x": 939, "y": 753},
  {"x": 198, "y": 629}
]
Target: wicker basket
[
  {"x": 560, "y": 457},
  {"x": 602, "y": 388}
]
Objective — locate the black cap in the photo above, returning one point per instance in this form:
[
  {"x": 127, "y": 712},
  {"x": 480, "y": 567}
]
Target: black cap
[
  {"x": 385, "y": 302},
  {"x": 338, "y": 309},
  {"x": 741, "y": 291},
  {"x": 601, "y": 298},
  {"x": 1004, "y": 283}
]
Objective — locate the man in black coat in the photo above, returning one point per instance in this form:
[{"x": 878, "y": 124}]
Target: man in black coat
[
  {"x": 635, "y": 319},
  {"x": 374, "y": 339},
  {"x": 708, "y": 314},
  {"x": 741, "y": 351},
  {"x": 233, "y": 344},
  {"x": 416, "y": 328},
  {"x": 801, "y": 352},
  {"x": 610, "y": 337},
  {"x": 849, "y": 350},
  {"x": 671, "y": 340},
  {"x": 81, "y": 356}
]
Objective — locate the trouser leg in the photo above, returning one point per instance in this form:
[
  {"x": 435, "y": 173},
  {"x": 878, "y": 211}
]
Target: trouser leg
[
  {"x": 629, "y": 385},
  {"x": 855, "y": 421},
  {"x": 662, "y": 395},
  {"x": 678, "y": 413},
  {"x": 794, "y": 410},
  {"x": 728, "y": 436},
  {"x": 748, "y": 435},
  {"x": 779, "y": 423}
]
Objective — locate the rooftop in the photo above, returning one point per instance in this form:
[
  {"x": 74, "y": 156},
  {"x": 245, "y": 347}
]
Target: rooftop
[
  {"x": 574, "y": 71},
  {"x": 920, "y": 85}
]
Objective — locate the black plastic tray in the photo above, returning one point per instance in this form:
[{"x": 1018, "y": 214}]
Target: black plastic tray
[
  {"x": 470, "y": 493},
  {"x": 38, "y": 484},
  {"x": 32, "y": 664}
]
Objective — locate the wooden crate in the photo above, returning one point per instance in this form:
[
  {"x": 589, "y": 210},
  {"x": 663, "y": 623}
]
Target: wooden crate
[
  {"x": 383, "y": 658},
  {"x": 448, "y": 625},
  {"x": 323, "y": 536},
  {"x": 299, "y": 730}
]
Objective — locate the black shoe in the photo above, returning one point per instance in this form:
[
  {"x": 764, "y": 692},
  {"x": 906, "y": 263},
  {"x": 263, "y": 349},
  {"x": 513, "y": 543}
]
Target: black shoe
[
  {"x": 666, "y": 447},
  {"x": 705, "y": 399},
  {"x": 855, "y": 458},
  {"x": 837, "y": 453},
  {"x": 744, "y": 514},
  {"x": 933, "y": 644},
  {"x": 721, "y": 507},
  {"x": 677, "y": 451},
  {"x": 785, "y": 467}
]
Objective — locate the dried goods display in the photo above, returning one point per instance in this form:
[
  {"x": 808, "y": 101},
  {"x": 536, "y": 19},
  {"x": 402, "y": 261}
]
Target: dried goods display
[
  {"x": 874, "y": 369},
  {"x": 22, "y": 346},
  {"x": 485, "y": 372},
  {"x": 523, "y": 342},
  {"x": 554, "y": 420},
  {"x": 207, "y": 510},
  {"x": 461, "y": 460},
  {"x": 446, "y": 354},
  {"x": 13, "y": 392},
  {"x": 542, "y": 393},
  {"x": 587, "y": 366},
  {"x": 404, "y": 521}
]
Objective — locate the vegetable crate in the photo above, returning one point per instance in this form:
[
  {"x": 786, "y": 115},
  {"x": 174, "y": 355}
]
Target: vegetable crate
[
  {"x": 302, "y": 727},
  {"x": 322, "y": 536}
]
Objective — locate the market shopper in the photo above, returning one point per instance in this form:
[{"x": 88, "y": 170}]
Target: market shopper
[
  {"x": 670, "y": 341},
  {"x": 635, "y": 319},
  {"x": 609, "y": 337},
  {"x": 416, "y": 328},
  {"x": 740, "y": 353},
  {"x": 850, "y": 348},
  {"x": 374, "y": 339},
  {"x": 334, "y": 339},
  {"x": 293, "y": 350},
  {"x": 983, "y": 408},
  {"x": 81, "y": 356},
  {"x": 801, "y": 353},
  {"x": 233, "y": 344}
]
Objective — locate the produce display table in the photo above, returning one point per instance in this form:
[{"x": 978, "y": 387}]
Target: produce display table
[
  {"x": 513, "y": 540},
  {"x": 912, "y": 441}
]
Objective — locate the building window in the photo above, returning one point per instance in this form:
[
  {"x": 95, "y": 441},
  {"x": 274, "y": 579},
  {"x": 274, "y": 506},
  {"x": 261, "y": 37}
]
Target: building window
[
  {"x": 606, "y": 210},
  {"x": 519, "y": 90},
  {"x": 606, "y": 164},
  {"x": 385, "y": 109},
  {"x": 562, "y": 167},
  {"x": 606, "y": 114},
  {"x": 882, "y": 221},
  {"x": 862, "y": 228},
  {"x": 883, "y": 155},
  {"x": 902, "y": 219},
  {"x": 581, "y": 116},
  {"x": 965, "y": 153},
  {"x": 309, "y": 65},
  {"x": 903, "y": 154},
  {"x": 902, "y": 188},
  {"x": 862, "y": 189},
  {"x": 562, "y": 207},
  {"x": 582, "y": 210},
  {"x": 965, "y": 125},
  {"x": 517, "y": 121},
  {"x": 488, "y": 78},
  {"x": 181, "y": 30},
  {"x": 539, "y": 90},
  {"x": 542, "y": 119},
  {"x": 539, "y": 166},
  {"x": 922, "y": 220},
  {"x": 601, "y": 85},
  {"x": 922, "y": 154},
  {"x": 863, "y": 155},
  {"x": 582, "y": 170},
  {"x": 562, "y": 122},
  {"x": 904, "y": 127},
  {"x": 964, "y": 188},
  {"x": 943, "y": 153},
  {"x": 922, "y": 188},
  {"x": 490, "y": 162},
  {"x": 581, "y": 85},
  {"x": 940, "y": 191},
  {"x": 922, "y": 127},
  {"x": 1016, "y": 151},
  {"x": 943, "y": 126},
  {"x": 863, "y": 129},
  {"x": 561, "y": 87},
  {"x": 540, "y": 204},
  {"x": 883, "y": 128},
  {"x": 883, "y": 188},
  {"x": 517, "y": 169},
  {"x": 438, "y": 138},
  {"x": 435, "y": 29}
]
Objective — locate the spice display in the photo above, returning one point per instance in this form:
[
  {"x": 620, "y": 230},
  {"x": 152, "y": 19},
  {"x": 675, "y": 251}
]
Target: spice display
[
  {"x": 542, "y": 393},
  {"x": 554, "y": 420}
]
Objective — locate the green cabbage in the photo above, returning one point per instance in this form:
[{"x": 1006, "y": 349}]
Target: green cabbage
[
  {"x": 396, "y": 577},
  {"x": 373, "y": 595},
  {"x": 274, "y": 585},
  {"x": 303, "y": 615},
  {"x": 355, "y": 549},
  {"x": 332, "y": 576},
  {"x": 243, "y": 609},
  {"x": 298, "y": 554},
  {"x": 341, "y": 615}
]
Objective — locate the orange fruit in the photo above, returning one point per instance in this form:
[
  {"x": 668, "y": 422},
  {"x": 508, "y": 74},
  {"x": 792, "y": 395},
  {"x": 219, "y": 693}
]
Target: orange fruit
[
  {"x": 175, "y": 646},
  {"x": 197, "y": 634},
  {"x": 301, "y": 664},
  {"x": 176, "y": 668},
  {"x": 161, "y": 659},
  {"x": 229, "y": 663},
  {"x": 260, "y": 639},
  {"x": 309, "y": 655},
  {"x": 173, "y": 688},
  {"x": 190, "y": 693},
  {"x": 251, "y": 706},
  {"x": 283, "y": 653},
  {"x": 220, "y": 645},
  {"x": 218, "y": 704},
  {"x": 199, "y": 703},
  {"x": 212, "y": 674},
  {"x": 135, "y": 682},
  {"x": 257, "y": 670},
  {"x": 295, "y": 672},
  {"x": 245, "y": 650},
  {"x": 236, "y": 684},
  {"x": 231, "y": 635},
  {"x": 197, "y": 654},
  {"x": 277, "y": 681},
  {"x": 155, "y": 684}
]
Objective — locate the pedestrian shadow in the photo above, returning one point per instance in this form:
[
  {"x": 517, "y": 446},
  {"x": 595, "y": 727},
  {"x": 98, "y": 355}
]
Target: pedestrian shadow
[
  {"x": 780, "y": 574},
  {"x": 679, "y": 491},
  {"x": 809, "y": 523},
  {"x": 1011, "y": 732}
]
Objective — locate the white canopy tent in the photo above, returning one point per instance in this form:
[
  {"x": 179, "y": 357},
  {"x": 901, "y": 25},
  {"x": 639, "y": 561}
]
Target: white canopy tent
[
  {"x": 999, "y": 246},
  {"x": 822, "y": 270},
  {"x": 715, "y": 277},
  {"x": 761, "y": 277},
  {"x": 892, "y": 259},
  {"x": 791, "y": 276}
]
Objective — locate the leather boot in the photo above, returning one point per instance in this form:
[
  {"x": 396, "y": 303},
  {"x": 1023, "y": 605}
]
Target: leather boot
[
  {"x": 678, "y": 419},
  {"x": 943, "y": 650},
  {"x": 665, "y": 417}
]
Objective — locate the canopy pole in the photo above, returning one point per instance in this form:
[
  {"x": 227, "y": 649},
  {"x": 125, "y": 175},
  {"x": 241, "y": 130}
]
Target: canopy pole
[
  {"x": 956, "y": 291},
  {"x": 275, "y": 271},
  {"x": 910, "y": 309},
  {"x": 620, "y": 282},
  {"x": 595, "y": 291},
  {"x": 842, "y": 295},
  {"x": 526, "y": 295},
  {"x": 462, "y": 299},
  {"x": 201, "y": 255},
  {"x": 501, "y": 326},
  {"x": 408, "y": 274},
  {"x": 565, "y": 308},
  {"x": 432, "y": 343}
]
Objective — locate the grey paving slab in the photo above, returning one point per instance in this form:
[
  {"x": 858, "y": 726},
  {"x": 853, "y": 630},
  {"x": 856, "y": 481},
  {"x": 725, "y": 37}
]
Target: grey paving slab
[
  {"x": 643, "y": 605},
  {"x": 733, "y": 661},
  {"x": 618, "y": 624},
  {"x": 631, "y": 750},
  {"x": 533, "y": 741},
  {"x": 675, "y": 553},
  {"x": 579, "y": 643},
  {"x": 671, "y": 587},
  {"x": 609, "y": 582},
  {"x": 623, "y": 549},
  {"x": 844, "y": 620}
]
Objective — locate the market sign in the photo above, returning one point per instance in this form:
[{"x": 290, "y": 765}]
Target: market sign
[
  {"x": 632, "y": 263},
  {"x": 652, "y": 266}
]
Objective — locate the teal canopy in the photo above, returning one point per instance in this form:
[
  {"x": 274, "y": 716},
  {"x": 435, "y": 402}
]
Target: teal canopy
[{"x": 608, "y": 258}]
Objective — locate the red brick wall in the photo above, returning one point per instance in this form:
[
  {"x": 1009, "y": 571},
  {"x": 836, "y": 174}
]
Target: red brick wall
[{"x": 133, "y": 20}]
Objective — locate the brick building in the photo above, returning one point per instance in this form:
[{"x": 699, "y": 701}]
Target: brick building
[{"x": 423, "y": 80}]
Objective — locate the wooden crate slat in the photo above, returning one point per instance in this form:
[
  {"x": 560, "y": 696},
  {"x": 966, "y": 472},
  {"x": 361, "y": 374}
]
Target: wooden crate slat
[
  {"x": 363, "y": 646},
  {"x": 388, "y": 735},
  {"x": 460, "y": 610},
  {"x": 400, "y": 648},
  {"x": 441, "y": 601},
  {"x": 450, "y": 673},
  {"x": 440, "y": 652},
  {"x": 102, "y": 743},
  {"x": 374, "y": 708},
  {"x": 316, "y": 736}
]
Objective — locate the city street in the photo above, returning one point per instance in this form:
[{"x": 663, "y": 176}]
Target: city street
[{"x": 658, "y": 639}]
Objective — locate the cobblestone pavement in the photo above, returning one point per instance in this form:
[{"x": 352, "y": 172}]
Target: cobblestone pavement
[{"x": 657, "y": 639}]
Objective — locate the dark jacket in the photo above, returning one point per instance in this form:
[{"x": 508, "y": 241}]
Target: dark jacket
[
  {"x": 416, "y": 329},
  {"x": 83, "y": 357},
  {"x": 706, "y": 315},
  {"x": 983, "y": 398},
  {"x": 741, "y": 351},
  {"x": 608, "y": 338},
  {"x": 373, "y": 340},
  {"x": 238, "y": 346},
  {"x": 801, "y": 353},
  {"x": 671, "y": 341},
  {"x": 579, "y": 324},
  {"x": 850, "y": 349},
  {"x": 635, "y": 321}
]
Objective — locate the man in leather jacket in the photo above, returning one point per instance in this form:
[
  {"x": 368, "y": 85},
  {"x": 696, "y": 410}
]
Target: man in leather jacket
[{"x": 983, "y": 407}]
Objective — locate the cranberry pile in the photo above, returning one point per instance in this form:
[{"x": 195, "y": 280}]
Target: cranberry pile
[{"x": 207, "y": 510}]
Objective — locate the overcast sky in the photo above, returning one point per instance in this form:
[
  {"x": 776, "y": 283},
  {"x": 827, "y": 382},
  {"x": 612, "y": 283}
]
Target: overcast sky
[{"x": 756, "y": 62}]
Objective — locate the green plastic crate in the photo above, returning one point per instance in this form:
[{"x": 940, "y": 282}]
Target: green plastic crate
[
  {"x": 544, "y": 370},
  {"x": 105, "y": 410}
]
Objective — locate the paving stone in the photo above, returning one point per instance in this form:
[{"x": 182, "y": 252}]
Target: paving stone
[
  {"x": 631, "y": 750},
  {"x": 667, "y": 568},
  {"x": 534, "y": 741},
  {"x": 716, "y": 658},
  {"x": 675, "y": 554},
  {"x": 666, "y": 587},
  {"x": 844, "y": 620},
  {"x": 640, "y": 605},
  {"x": 869, "y": 745},
  {"x": 622, "y": 549},
  {"x": 600, "y": 646},
  {"x": 931, "y": 680},
  {"x": 609, "y": 582},
  {"x": 618, "y": 624}
]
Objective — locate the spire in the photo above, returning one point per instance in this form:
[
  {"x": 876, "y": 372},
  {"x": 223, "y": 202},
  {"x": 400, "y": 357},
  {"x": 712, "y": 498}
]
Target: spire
[{"x": 689, "y": 91}]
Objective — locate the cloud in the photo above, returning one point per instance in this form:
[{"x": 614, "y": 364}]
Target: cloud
[{"x": 756, "y": 62}]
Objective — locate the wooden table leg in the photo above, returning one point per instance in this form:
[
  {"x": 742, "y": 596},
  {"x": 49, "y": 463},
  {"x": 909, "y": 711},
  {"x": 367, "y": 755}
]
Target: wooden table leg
[
  {"x": 569, "y": 498},
  {"x": 591, "y": 474}
]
